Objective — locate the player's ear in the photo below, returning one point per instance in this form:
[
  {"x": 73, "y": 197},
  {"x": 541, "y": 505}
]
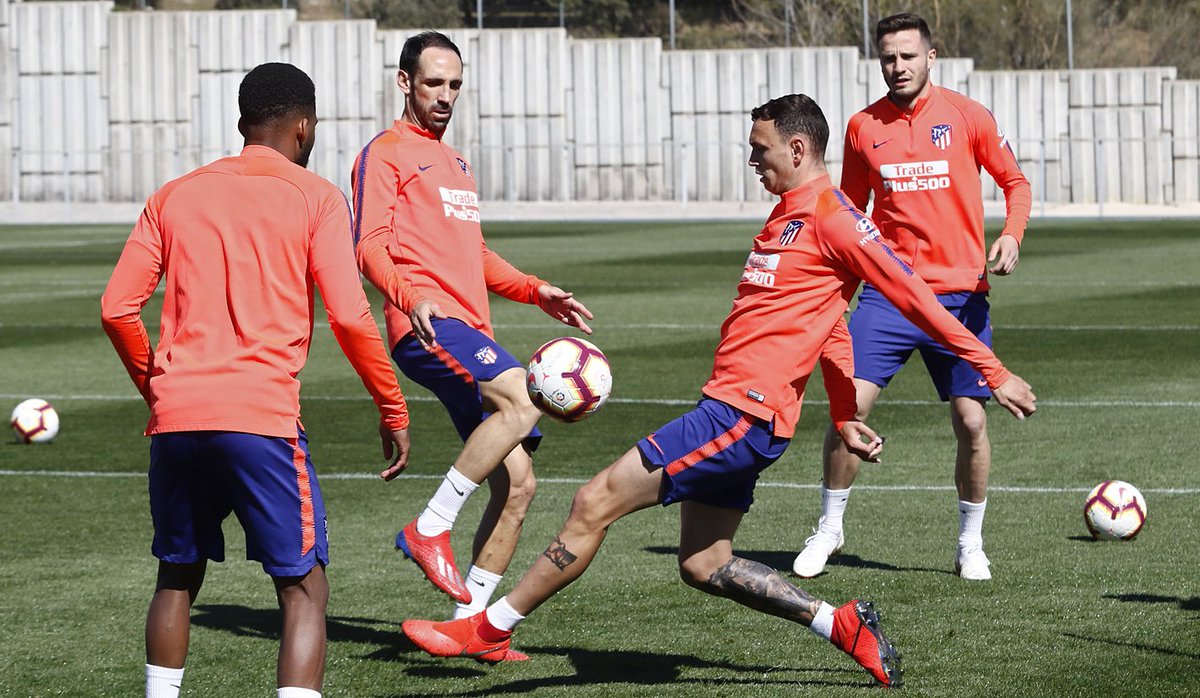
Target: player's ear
[
  {"x": 932, "y": 55},
  {"x": 305, "y": 131},
  {"x": 403, "y": 81},
  {"x": 799, "y": 148}
]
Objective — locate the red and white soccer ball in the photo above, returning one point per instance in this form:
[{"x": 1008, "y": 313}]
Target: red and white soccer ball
[
  {"x": 1114, "y": 510},
  {"x": 34, "y": 422},
  {"x": 569, "y": 379}
]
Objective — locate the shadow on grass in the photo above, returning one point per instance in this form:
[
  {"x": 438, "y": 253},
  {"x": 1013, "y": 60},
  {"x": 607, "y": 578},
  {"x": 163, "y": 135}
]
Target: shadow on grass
[
  {"x": 618, "y": 667},
  {"x": 782, "y": 560},
  {"x": 592, "y": 667},
  {"x": 265, "y": 623},
  {"x": 1192, "y": 604},
  {"x": 1134, "y": 645}
]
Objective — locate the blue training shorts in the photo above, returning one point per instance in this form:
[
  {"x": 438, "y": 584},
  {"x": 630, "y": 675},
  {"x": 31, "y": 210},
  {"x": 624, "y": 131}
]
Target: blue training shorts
[
  {"x": 712, "y": 455},
  {"x": 884, "y": 339},
  {"x": 462, "y": 359},
  {"x": 197, "y": 478}
]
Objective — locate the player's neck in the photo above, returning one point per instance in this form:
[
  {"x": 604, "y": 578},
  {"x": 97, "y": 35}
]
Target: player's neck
[{"x": 910, "y": 104}]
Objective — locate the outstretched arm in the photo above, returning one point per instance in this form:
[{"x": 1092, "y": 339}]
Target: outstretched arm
[
  {"x": 867, "y": 256},
  {"x": 506, "y": 280}
]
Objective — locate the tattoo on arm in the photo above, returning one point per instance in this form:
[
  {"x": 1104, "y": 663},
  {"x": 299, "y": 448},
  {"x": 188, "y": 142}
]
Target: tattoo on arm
[
  {"x": 762, "y": 588},
  {"x": 559, "y": 555}
]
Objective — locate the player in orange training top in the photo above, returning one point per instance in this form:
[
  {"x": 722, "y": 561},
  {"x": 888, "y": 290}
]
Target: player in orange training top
[
  {"x": 919, "y": 150},
  {"x": 420, "y": 243},
  {"x": 240, "y": 243},
  {"x": 799, "y": 276}
]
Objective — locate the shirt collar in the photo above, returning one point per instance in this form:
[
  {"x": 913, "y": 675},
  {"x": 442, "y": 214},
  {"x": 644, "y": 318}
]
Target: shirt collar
[
  {"x": 263, "y": 151},
  {"x": 918, "y": 106},
  {"x": 805, "y": 193},
  {"x": 408, "y": 126}
]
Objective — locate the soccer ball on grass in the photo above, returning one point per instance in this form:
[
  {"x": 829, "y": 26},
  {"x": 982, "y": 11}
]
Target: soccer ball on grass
[
  {"x": 34, "y": 422},
  {"x": 1114, "y": 510},
  {"x": 569, "y": 379}
]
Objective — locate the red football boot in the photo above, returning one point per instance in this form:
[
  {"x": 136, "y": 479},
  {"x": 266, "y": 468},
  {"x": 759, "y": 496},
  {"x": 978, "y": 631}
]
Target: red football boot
[
  {"x": 435, "y": 558},
  {"x": 856, "y": 632},
  {"x": 460, "y": 638}
]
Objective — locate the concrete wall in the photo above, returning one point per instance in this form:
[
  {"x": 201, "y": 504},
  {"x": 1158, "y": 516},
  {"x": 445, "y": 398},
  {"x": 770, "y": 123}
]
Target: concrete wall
[{"x": 98, "y": 105}]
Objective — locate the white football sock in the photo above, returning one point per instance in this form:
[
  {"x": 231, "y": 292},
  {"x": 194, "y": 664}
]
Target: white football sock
[
  {"x": 970, "y": 524},
  {"x": 482, "y": 585},
  {"x": 833, "y": 506},
  {"x": 295, "y": 692},
  {"x": 502, "y": 616},
  {"x": 442, "y": 510},
  {"x": 822, "y": 623},
  {"x": 163, "y": 682}
]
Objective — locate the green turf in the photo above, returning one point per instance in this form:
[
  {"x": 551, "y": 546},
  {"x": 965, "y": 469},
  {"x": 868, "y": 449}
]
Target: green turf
[{"x": 1100, "y": 318}]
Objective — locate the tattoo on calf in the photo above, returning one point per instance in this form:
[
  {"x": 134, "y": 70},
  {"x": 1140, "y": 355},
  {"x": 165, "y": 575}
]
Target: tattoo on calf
[
  {"x": 559, "y": 555},
  {"x": 762, "y": 588}
]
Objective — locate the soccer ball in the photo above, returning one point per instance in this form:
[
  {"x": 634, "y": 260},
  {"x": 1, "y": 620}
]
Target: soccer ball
[
  {"x": 1114, "y": 510},
  {"x": 34, "y": 422},
  {"x": 569, "y": 379}
]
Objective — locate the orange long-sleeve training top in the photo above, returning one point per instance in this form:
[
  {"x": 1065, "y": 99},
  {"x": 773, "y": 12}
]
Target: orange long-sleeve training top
[
  {"x": 417, "y": 228},
  {"x": 241, "y": 243},
  {"x": 923, "y": 167},
  {"x": 799, "y": 277}
]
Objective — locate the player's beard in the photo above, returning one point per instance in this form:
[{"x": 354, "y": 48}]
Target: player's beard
[{"x": 305, "y": 152}]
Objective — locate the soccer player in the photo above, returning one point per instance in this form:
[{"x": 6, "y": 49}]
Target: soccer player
[
  {"x": 800, "y": 274},
  {"x": 420, "y": 243},
  {"x": 919, "y": 151},
  {"x": 241, "y": 243}
]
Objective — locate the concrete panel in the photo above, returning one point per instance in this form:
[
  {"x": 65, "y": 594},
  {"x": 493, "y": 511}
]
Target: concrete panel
[
  {"x": 144, "y": 157},
  {"x": 238, "y": 41},
  {"x": 340, "y": 57},
  {"x": 1184, "y": 118},
  {"x": 338, "y": 144},
  {"x": 59, "y": 37},
  {"x": 151, "y": 73},
  {"x": 61, "y": 128},
  {"x": 214, "y": 130}
]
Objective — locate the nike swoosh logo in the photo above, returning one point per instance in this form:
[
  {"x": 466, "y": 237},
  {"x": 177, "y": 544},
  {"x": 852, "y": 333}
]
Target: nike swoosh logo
[
  {"x": 456, "y": 490},
  {"x": 480, "y": 653},
  {"x": 479, "y": 583},
  {"x": 876, "y": 145},
  {"x": 426, "y": 167}
]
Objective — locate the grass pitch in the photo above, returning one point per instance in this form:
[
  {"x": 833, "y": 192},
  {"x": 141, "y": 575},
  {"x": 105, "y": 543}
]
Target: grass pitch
[{"x": 1099, "y": 317}]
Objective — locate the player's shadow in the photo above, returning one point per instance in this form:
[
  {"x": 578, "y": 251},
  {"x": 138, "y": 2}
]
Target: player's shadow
[
  {"x": 782, "y": 560},
  {"x": 265, "y": 623},
  {"x": 1191, "y": 604},
  {"x": 1134, "y": 645},
  {"x": 618, "y": 667},
  {"x": 592, "y": 667}
]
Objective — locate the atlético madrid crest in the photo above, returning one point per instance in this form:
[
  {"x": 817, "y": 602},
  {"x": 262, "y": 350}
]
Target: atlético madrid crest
[
  {"x": 466, "y": 170},
  {"x": 790, "y": 231},
  {"x": 486, "y": 356},
  {"x": 940, "y": 135}
]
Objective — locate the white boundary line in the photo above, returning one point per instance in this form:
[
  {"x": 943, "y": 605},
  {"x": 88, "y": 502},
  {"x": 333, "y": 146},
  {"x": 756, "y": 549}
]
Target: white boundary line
[
  {"x": 1081, "y": 404},
  {"x": 580, "y": 481}
]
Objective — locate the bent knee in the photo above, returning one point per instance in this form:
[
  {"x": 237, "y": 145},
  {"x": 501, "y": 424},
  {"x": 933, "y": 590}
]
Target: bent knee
[{"x": 697, "y": 573}]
